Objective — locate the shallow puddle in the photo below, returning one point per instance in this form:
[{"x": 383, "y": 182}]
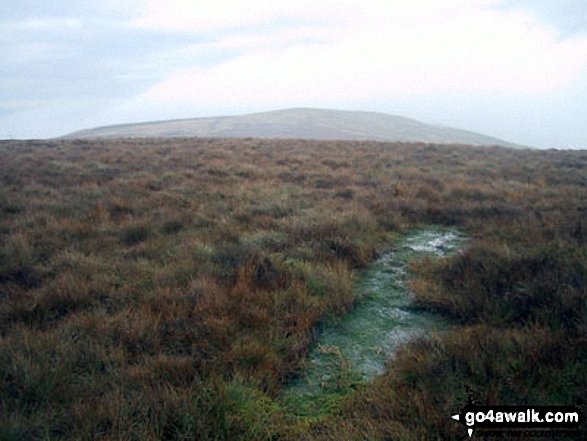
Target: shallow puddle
[{"x": 357, "y": 348}]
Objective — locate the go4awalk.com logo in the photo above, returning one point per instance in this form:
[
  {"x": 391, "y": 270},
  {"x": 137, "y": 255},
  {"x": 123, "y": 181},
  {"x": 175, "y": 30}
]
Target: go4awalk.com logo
[{"x": 526, "y": 420}]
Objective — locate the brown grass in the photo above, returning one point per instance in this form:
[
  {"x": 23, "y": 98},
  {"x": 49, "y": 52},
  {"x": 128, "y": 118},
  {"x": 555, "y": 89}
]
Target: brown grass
[{"x": 167, "y": 289}]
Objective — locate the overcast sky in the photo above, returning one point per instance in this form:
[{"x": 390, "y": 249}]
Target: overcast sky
[{"x": 514, "y": 69}]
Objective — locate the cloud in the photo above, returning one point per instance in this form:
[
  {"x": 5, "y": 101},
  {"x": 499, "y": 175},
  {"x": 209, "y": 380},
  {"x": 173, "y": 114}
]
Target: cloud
[
  {"x": 384, "y": 50},
  {"x": 18, "y": 10},
  {"x": 202, "y": 16},
  {"x": 45, "y": 24},
  {"x": 569, "y": 17},
  {"x": 69, "y": 64}
]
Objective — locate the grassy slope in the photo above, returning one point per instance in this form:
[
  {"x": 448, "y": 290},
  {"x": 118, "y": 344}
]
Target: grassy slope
[
  {"x": 166, "y": 289},
  {"x": 299, "y": 123}
]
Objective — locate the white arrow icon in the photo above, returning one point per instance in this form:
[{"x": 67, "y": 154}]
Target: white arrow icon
[{"x": 458, "y": 417}]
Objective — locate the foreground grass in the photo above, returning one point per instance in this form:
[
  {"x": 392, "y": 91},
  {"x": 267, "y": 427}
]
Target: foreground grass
[{"x": 168, "y": 289}]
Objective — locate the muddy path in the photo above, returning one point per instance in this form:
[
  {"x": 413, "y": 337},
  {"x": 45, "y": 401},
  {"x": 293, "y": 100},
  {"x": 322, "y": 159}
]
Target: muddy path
[{"x": 357, "y": 348}]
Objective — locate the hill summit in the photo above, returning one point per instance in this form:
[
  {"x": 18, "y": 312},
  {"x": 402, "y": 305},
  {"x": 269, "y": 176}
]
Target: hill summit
[{"x": 304, "y": 123}]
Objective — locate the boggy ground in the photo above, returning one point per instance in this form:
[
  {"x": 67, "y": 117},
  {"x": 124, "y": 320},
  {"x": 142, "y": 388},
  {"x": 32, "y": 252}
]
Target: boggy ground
[
  {"x": 168, "y": 289},
  {"x": 356, "y": 347}
]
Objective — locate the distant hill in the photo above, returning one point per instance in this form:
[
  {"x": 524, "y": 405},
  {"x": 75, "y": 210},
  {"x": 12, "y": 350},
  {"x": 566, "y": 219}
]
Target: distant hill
[{"x": 298, "y": 123}]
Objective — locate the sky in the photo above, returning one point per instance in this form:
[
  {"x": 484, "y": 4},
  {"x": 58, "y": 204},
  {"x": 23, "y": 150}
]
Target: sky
[{"x": 513, "y": 69}]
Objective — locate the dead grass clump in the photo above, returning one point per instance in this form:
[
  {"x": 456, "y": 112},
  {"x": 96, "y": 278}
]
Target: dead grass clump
[{"x": 497, "y": 285}]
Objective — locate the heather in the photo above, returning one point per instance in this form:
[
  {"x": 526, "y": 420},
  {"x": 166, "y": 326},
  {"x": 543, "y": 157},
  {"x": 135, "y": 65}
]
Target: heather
[{"x": 171, "y": 289}]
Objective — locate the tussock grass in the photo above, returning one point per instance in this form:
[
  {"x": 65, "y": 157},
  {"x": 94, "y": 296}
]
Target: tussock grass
[{"x": 168, "y": 289}]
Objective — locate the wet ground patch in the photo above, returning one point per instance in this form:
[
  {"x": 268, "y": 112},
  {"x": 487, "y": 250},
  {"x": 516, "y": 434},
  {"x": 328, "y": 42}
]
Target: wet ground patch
[{"x": 357, "y": 348}]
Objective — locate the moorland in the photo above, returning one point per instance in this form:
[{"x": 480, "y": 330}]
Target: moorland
[{"x": 170, "y": 288}]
